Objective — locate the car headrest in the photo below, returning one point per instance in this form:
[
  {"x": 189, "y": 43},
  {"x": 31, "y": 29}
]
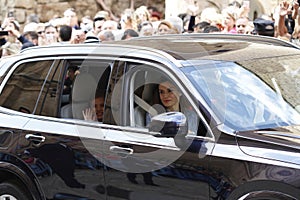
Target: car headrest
[{"x": 84, "y": 88}]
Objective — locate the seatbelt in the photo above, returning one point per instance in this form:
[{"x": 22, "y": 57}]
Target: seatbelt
[{"x": 144, "y": 105}]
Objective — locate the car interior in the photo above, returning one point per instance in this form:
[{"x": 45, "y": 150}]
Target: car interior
[
  {"x": 146, "y": 98},
  {"x": 89, "y": 78}
]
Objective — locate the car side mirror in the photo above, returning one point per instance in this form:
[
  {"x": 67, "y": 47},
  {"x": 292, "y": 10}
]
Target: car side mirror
[{"x": 169, "y": 124}]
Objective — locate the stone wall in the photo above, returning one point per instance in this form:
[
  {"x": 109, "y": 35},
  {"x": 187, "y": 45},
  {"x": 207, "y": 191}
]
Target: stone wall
[
  {"x": 257, "y": 7},
  {"x": 46, "y": 9}
]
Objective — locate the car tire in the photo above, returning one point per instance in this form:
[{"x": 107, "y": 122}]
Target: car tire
[
  {"x": 265, "y": 190},
  {"x": 10, "y": 191}
]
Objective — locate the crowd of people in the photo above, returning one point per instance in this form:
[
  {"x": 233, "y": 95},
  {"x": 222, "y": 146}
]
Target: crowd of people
[{"x": 147, "y": 21}]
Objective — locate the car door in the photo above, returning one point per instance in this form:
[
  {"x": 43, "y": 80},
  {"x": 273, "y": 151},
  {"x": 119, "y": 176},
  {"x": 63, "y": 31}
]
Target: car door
[
  {"x": 140, "y": 163},
  {"x": 57, "y": 149}
]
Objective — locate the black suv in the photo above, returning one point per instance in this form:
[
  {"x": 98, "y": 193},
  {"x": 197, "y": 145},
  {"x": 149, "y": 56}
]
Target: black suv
[{"x": 236, "y": 134}]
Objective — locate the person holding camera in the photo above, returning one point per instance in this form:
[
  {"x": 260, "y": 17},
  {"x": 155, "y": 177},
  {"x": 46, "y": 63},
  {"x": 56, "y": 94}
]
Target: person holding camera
[{"x": 10, "y": 41}]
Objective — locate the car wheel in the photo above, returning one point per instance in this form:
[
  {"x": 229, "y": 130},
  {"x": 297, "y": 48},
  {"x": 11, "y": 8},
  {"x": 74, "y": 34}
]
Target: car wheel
[
  {"x": 9, "y": 191},
  {"x": 265, "y": 190}
]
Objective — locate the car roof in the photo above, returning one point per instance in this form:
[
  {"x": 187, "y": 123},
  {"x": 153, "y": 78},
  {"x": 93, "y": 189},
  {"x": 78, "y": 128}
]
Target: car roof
[
  {"x": 207, "y": 37},
  {"x": 229, "y": 47}
]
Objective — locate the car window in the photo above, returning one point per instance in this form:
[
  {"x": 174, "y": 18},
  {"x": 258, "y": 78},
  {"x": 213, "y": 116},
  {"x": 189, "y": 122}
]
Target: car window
[
  {"x": 246, "y": 96},
  {"x": 84, "y": 89},
  {"x": 24, "y": 85},
  {"x": 49, "y": 97},
  {"x": 153, "y": 92},
  {"x": 112, "y": 111}
]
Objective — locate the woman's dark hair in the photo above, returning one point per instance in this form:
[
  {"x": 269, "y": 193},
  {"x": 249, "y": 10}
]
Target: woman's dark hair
[
  {"x": 211, "y": 29},
  {"x": 130, "y": 33}
]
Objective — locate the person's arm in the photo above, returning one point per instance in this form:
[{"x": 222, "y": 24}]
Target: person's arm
[
  {"x": 283, "y": 10},
  {"x": 23, "y": 40},
  {"x": 244, "y": 10},
  {"x": 191, "y": 24},
  {"x": 192, "y": 10},
  {"x": 295, "y": 10},
  {"x": 18, "y": 35}
]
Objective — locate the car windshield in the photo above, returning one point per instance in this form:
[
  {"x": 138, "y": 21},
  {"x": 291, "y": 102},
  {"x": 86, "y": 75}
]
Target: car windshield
[{"x": 249, "y": 95}]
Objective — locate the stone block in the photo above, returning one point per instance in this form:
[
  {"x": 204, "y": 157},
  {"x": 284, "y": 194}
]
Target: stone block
[
  {"x": 27, "y": 4},
  {"x": 50, "y": 10},
  {"x": 20, "y": 15}
]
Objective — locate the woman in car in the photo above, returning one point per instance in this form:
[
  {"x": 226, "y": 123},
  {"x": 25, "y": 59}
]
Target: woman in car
[{"x": 172, "y": 100}]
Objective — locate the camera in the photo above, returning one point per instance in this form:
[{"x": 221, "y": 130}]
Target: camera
[
  {"x": 3, "y": 33},
  {"x": 10, "y": 14}
]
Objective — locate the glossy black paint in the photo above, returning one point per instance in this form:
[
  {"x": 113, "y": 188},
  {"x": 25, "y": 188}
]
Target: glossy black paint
[{"x": 53, "y": 159}]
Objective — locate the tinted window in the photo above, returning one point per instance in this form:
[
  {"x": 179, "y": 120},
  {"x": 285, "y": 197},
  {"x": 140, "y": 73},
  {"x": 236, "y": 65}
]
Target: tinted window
[
  {"x": 112, "y": 112},
  {"x": 155, "y": 92},
  {"x": 84, "y": 89},
  {"x": 23, "y": 87},
  {"x": 49, "y": 97}
]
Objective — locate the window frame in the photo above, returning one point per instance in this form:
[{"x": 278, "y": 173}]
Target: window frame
[
  {"x": 129, "y": 100},
  {"x": 56, "y": 65},
  {"x": 16, "y": 65},
  {"x": 96, "y": 62}
]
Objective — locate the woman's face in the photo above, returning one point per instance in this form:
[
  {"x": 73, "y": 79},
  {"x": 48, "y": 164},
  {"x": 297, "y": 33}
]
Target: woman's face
[
  {"x": 169, "y": 96},
  {"x": 228, "y": 21},
  {"x": 10, "y": 26},
  {"x": 163, "y": 29}
]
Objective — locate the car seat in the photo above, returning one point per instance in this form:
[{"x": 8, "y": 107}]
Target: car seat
[
  {"x": 66, "y": 111},
  {"x": 83, "y": 93}
]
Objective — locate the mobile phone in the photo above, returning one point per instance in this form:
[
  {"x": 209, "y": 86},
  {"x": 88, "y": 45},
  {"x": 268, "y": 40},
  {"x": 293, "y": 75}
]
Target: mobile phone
[
  {"x": 246, "y": 3},
  {"x": 3, "y": 33},
  {"x": 10, "y": 14}
]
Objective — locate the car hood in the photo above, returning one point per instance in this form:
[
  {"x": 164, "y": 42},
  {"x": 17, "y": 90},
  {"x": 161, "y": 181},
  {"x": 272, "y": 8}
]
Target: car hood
[{"x": 281, "y": 144}]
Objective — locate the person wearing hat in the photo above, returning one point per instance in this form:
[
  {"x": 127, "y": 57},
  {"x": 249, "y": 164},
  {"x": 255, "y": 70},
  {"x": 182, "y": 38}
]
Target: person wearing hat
[
  {"x": 165, "y": 27},
  {"x": 264, "y": 27},
  {"x": 99, "y": 20},
  {"x": 102, "y": 15}
]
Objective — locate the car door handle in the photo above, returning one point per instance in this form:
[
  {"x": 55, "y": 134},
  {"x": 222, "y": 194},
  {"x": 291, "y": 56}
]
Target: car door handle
[
  {"x": 35, "y": 138},
  {"x": 121, "y": 150}
]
